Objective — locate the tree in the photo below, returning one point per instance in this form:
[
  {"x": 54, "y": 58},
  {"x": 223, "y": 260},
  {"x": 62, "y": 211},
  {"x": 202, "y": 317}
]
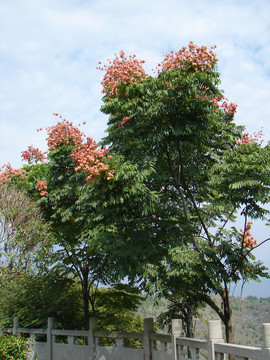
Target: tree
[
  {"x": 33, "y": 297},
  {"x": 205, "y": 171},
  {"x": 56, "y": 185},
  {"x": 177, "y": 278},
  {"x": 25, "y": 236},
  {"x": 74, "y": 188},
  {"x": 180, "y": 308},
  {"x": 116, "y": 308},
  {"x": 117, "y": 305}
]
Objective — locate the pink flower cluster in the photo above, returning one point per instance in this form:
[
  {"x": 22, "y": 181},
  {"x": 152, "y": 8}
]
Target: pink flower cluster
[
  {"x": 90, "y": 160},
  {"x": 230, "y": 108},
  {"x": 33, "y": 155},
  {"x": 125, "y": 119},
  {"x": 86, "y": 155},
  {"x": 222, "y": 103},
  {"x": 249, "y": 139},
  {"x": 122, "y": 70},
  {"x": 198, "y": 57},
  {"x": 248, "y": 240},
  {"x": 63, "y": 132},
  {"x": 7, "y": 173},
  {"x": 41, "y": 186},
  {"x": 169, "y": 85}
]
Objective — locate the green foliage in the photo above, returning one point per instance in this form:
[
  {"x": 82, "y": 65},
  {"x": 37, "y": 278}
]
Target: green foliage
[
  {"x": 122, "y": 216},
  {"x": 34, "y": 298},
  {"x": 13, "y": 348},
  {"x": 116, "y": 307},
  {"x": 242, "y": 179},
  {"x": 35, "y": 172}
]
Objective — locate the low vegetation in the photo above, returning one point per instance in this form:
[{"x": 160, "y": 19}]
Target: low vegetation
[{"x": 13, "y": 348}]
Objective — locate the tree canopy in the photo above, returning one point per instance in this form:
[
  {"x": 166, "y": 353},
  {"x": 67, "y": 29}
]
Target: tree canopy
[{"x": 206, "y": 171}]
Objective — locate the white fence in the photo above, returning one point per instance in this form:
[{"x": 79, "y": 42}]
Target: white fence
[{"x": 154, "y": 346}]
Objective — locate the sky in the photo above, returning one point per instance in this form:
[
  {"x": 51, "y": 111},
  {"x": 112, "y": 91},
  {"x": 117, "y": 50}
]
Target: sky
[{"x": 49, "y": 51}]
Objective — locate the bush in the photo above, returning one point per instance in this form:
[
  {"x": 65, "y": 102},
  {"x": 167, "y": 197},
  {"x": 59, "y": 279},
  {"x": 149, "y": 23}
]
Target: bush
[{"x": 13, "y": 348}]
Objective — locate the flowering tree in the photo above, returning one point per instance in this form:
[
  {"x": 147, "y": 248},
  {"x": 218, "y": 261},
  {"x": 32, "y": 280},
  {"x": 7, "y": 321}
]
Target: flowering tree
[
  {"x": 74, "y": 185},
  {"x": 179, "y": 123},
  {"x": 56, "y": 183}
]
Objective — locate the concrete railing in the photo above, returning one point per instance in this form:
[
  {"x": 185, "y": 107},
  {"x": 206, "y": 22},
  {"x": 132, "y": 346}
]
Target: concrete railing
[{"x": 154, "y": 346}]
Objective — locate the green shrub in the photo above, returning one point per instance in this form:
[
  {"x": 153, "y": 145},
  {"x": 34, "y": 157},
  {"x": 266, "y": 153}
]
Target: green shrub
[{"x": 12, "y": 348}]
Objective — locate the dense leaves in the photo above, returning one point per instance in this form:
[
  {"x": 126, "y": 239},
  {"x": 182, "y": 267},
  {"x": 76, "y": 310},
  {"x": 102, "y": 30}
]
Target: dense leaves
[
  {"x": 13, "y": 348},
  {"x": 35, "y": 297}
]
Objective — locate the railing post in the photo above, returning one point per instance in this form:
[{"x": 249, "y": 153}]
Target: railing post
[
  {"x": 147, "y": 348},
  {"x": 215, "y": 336},
  {"x": 91, "y": 338},
  {"x": 266, "y": 342},
  {"x": 16, "y": 324},
  {"x": 176, "y": 332},
  {"x": 50, "y": 340},
  {"x": 119, "y": 343}
]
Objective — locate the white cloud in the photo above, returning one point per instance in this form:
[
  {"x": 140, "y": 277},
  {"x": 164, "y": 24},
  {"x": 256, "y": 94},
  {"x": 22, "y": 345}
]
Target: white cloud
[{"x": 49, "y": 51}]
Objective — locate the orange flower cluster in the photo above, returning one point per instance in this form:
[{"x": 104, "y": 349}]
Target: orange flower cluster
[
  {"x": 7, "y": 172},
  {"x": 248, "y": 240},
  {"x": 122, "y": 70},
  {"x": 198, "y": 57},
  {"x": 249, "y": 139},
  {"x": 86, "y": 155},
  {"x": 41, "y": 186},
  {"x": 33, "y": 155}
]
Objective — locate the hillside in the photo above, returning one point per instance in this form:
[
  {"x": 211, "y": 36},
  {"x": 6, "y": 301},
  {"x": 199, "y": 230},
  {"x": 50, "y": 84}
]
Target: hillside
[{"x": 248, "y": 316}]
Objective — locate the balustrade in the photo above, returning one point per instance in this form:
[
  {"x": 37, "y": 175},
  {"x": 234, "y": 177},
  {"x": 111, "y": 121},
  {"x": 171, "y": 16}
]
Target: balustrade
[{"x": 84, "y": 345}]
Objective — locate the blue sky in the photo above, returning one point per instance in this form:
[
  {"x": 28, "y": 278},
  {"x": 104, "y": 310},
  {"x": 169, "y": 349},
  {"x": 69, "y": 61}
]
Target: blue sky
[{"x": 49, "y": 51}]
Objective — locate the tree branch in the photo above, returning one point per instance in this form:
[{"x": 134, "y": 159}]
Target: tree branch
[
  {"x": 191, "y": 196},
  {"x": 177, "y": 184}
]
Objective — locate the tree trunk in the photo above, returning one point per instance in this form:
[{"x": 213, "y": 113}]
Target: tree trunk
[
  {"x": 225, "y": 313},
  {"x": 189, "y": 326},
  {"x": 229, "y": 328},
  {"x": 189, "y": 322},
  {"x": 85, "y": 294},
  {"x": 228, "y": 317}
]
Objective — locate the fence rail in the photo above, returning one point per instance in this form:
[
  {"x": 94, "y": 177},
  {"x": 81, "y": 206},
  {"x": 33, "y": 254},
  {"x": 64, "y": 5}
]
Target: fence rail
[{"x": 155, "y": 346}]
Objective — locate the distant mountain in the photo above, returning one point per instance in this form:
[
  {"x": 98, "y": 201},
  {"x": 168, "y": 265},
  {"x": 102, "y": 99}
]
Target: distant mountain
[{"x": 248, "y": 316}]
